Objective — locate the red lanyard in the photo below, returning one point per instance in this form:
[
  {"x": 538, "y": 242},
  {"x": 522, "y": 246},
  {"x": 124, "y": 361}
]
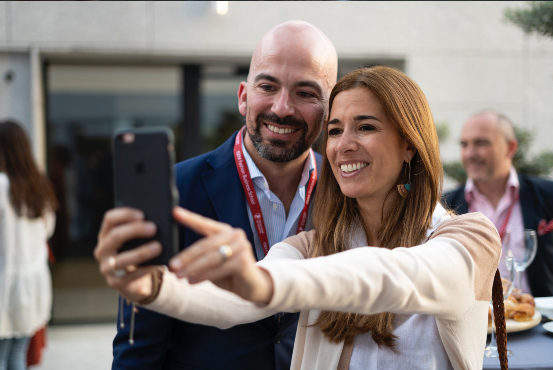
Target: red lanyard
[
  {"x": 251, "y": 196},
  {"x": 503, "y": 227}
]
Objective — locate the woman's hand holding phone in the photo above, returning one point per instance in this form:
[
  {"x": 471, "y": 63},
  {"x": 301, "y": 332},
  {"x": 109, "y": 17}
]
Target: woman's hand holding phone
[
  {"x": 224, "y": 256},
  {"x": 120, "y": 270}
]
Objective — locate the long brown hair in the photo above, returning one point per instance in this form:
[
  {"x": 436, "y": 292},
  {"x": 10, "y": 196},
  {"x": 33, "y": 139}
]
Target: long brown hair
[
  {"x": 335, "y": 216},
  {"x": 31, "y": 192}
]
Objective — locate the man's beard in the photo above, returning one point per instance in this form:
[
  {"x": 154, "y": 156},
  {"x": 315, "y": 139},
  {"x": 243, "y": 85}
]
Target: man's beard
[{"x": 278, "y": 150}]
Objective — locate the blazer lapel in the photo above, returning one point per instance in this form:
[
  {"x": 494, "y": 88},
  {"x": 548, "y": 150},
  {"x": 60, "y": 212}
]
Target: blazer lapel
[
  {"x": 225, "y": 190},
  {"x": 526, "y": 206}
]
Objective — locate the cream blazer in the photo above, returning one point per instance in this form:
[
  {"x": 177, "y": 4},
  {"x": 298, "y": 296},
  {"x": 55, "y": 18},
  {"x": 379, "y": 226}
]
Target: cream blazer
[{"x": 449, "y": 277}]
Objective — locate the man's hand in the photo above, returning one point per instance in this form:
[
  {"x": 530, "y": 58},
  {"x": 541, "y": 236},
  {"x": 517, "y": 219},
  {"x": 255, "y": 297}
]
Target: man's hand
[
  {"x": 120, "y": 269},
  {"x": 224, "y": 257}
]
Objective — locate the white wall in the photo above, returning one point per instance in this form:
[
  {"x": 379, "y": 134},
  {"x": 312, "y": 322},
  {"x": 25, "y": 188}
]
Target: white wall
[
  {"x": 15, "y": 96},
  {"x": 464, "y": 56}
]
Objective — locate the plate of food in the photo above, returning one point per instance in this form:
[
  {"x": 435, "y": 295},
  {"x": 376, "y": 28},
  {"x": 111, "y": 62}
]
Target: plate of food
[
  {"x": 545, "y": 306},
  {"x": 520, "y": 313}
]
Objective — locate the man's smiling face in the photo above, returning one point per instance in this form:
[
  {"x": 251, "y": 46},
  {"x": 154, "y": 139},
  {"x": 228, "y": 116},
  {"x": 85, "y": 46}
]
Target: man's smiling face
[
  {"x": 286, "y": 96},
  {"x": 484, "y": 149}
]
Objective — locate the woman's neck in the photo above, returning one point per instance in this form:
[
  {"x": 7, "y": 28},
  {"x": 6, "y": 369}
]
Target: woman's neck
[{"x": 374, "y": 211}]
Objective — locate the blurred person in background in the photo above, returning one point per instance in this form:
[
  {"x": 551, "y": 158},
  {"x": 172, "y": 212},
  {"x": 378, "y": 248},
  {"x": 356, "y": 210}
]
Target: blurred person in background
[
  {"x": 509, "y": 199},
  {"x": 284, "y": 101},
  {"x": 27, "y": 205}
]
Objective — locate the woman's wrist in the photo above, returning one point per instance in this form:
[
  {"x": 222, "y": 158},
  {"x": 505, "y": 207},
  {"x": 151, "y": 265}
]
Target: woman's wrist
[
  {"x": 157, "y": 281},
  {"x": 267, "y": 294}
]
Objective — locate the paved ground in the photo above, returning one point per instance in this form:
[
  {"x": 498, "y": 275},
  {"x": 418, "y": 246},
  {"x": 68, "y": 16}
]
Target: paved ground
[{"x": 78, "y": 347}]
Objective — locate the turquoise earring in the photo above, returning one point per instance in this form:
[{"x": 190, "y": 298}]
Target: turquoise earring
[{"x": 404, "y": 189}]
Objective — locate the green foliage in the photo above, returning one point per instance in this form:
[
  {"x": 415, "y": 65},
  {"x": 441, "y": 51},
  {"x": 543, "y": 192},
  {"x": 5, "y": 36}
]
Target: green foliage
[
  {"x": 524, "y": 138},
  {"x": 536, "y": 19},
  {"x": 456, "y": 171},
  {"x": 540, "y": 165},
  {"x": 442, "y": 129}
]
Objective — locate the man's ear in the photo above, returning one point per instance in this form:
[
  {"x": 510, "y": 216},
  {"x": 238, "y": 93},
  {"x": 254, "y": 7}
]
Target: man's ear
[
  {"x": 242, "y": 98},
  {"x": 512, "y": 147}
]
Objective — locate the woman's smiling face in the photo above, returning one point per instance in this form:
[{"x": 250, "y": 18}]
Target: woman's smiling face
[{"x": 364, "y": 149}]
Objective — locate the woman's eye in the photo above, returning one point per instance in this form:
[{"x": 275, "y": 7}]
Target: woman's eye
[
  {"x": 334, "y": 131},
  {"x": 367, "y": 128}
]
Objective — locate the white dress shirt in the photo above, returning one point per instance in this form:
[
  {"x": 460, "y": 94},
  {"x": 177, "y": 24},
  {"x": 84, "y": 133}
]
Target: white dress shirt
[{"x": 277, "y": 225}]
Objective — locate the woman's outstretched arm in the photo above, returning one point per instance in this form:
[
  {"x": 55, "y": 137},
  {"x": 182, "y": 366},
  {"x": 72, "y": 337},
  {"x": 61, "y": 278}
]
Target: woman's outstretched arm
[
  {"x": 202, "y": 283},
  {"x": 443, "y": 277}
]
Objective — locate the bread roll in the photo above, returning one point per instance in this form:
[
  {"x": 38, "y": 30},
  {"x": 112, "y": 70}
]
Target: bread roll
[
  {"x": 523, "y": 312},
  {"x": 527, "y": 298},
  {"x": 513, "y": 299},
  {"x": 509, "y": 307},
  {"x": 517, "y": 293}
]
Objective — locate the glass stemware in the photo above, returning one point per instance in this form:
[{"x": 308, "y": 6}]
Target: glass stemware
[
  {"x": 523, "y": 246},
  {"x": 507, "y": 278}
]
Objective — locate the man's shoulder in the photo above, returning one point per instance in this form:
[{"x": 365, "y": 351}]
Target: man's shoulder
[
  {"x": 210, "y": 160},
  {"x": 536, "y": 184},
  {"x": 455, "y": 194}
]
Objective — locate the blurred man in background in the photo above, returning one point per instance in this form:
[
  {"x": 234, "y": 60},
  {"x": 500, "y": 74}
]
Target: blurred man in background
[
  {"x": 509, "y": 199},
  {"x": 285, "y": 102}
]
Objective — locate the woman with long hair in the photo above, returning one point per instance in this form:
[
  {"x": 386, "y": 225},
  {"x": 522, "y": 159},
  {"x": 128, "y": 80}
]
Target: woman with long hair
[
  {"x": 386, "y": 279},
  {"x": 27, "y": 205}
]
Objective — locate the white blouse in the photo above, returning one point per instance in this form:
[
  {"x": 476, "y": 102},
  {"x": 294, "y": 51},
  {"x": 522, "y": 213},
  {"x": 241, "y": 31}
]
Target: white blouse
[
  {"x": 418, "y": 343},
  {"x": 25, "y": 282}
]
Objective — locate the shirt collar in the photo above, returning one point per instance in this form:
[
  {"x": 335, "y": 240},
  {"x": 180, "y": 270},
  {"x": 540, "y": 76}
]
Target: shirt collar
[
  {"x": 512, "y": 182},
  {"x": 438, "y": 216},
  {"x": 309, "y": 166},
  {"x": 512, "y": 187}
]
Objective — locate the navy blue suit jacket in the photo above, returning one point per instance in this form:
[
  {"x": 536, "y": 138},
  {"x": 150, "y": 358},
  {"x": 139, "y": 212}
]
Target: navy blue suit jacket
[
  {"x": 536, "y": 203},
  {"x": 208, "y": 185}
]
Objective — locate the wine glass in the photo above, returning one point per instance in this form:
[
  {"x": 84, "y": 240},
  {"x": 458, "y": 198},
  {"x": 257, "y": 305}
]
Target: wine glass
[
  {"x": 523, "y": 246},
  {"x": 507, "y": 278}
]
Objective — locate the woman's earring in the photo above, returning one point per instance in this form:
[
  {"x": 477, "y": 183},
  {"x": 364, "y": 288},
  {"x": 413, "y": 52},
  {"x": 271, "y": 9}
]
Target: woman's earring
[{"x": 404, "y": 189}]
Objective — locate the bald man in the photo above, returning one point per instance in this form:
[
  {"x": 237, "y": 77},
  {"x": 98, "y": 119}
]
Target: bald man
[
  {"x": 285, "y": 102},
  {"x": 510, "y": 200}
]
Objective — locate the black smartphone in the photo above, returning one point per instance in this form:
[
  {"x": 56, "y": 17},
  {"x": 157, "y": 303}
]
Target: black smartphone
[{"x": 143, "y": 162}]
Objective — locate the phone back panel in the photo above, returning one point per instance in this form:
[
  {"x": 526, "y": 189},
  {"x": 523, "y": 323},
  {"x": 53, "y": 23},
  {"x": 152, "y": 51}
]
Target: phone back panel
[{"x": 144, "y": 179}]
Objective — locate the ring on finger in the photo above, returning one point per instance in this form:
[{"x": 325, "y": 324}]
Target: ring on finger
[
  {"x": 226, "y": 252},
  {"x": 112, "y": 263}
]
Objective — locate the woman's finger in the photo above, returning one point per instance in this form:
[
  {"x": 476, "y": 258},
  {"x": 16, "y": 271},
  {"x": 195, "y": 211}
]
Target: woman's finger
[
  {"x": 139, "y": 255},
  {"x": 181, "y": 263},
  {"x": 199, "y": 224},
  {"x": 118, "y": 216},
  {"x": 212, "y": 260},
  {"x": 224, "y": 272},
  {"x": 112, "y": 241}
]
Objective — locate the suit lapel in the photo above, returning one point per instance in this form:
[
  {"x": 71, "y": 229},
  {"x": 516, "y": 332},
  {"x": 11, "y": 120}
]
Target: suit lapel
[
  {"x": 526, "y": 205},
  {"x": 225, "y": 190}
]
